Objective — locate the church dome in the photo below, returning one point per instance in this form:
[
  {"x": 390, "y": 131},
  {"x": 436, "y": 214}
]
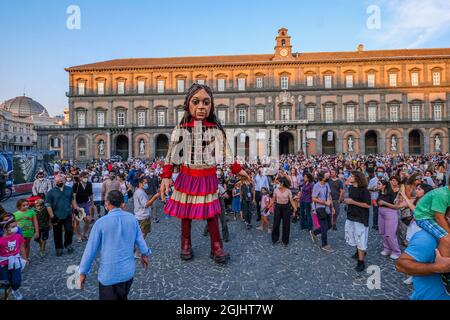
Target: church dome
[{"x": 24, "y": 107}]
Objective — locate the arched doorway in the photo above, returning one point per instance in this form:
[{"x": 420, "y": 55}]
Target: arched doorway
[
  {"x": 328, "y": 143},
  {"x": 242, "y": 145},
  {"x": 286, "y": 144},
  {"x": 122, "y": 146},
  {"x": 371, "y": 142},
  {"x": 415, "y": 142},
  {"x": 162, "y": 145}
]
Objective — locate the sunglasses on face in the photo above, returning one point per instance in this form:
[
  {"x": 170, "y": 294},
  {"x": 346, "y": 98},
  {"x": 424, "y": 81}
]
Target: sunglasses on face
[{"x": 196, "y": 102}]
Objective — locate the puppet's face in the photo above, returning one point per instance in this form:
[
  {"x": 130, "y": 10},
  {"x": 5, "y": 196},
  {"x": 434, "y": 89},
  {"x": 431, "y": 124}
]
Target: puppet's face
[{"x": 200, "y": 105}]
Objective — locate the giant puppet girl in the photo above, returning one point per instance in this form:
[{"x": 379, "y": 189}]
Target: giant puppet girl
[{"x": 198, "y": 145}]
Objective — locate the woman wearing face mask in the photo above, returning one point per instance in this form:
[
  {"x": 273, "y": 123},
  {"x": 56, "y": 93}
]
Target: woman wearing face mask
[
  {"x": 41, "y": 186},
  {"x": 84, "y": 197},
  {"x": 12, "y": 249}
]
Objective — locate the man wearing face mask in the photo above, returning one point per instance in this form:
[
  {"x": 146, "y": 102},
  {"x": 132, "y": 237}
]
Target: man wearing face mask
[
  {"x": 41, "y": 185},
  {"x": 59, "y": 202},
  {"x": 110, "y": 184},
  {"x": 142, "y": 206}
]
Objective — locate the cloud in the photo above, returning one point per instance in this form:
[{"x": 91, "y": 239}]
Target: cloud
[{"x": 410, "y": 23}]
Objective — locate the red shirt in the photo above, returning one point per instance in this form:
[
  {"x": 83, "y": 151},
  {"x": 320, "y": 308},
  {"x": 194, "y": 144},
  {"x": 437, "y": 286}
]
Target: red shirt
[{"x": 10, "y": 246}]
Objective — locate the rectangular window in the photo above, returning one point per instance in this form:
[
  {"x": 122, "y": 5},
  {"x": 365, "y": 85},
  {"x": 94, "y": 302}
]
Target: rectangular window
[
  {"x": 329, "y": 114},
  {"x": 241, "y": 84},
  {"x": 259, "y": 82},
  {"x": 284, "y": 83},
  {"x": 436, "y": 78},
  {"x": 160, "y": 88},
  {"x": 349, "y": 81},
  {"x": 242, "y": 116},
  {"x": 371, "y": 80},
  {"x": 415, "y": 79},
  {"x": 437, "y": 112},
  {"x": 309, "y": 81},
  {"x": 101, "y": 88},
  {"x": 394, "y": 112},
  {"x": 220, "y": 85},
  {"x": 141, "y": 86},
  {"x": 328, "y": 82},
  {"x": 120, "y": 87},
  {"x": 81, "y": 88},
  {"x": 180, "y": 85},
  {"x": 285, "y": 114},
  {"x": 82, "y": 153},
  {"x": 121, "y": 118},
  {"x": 310, "y": 114},
  {"x": 180, "y": 114},
  {"x": 222, "y": 115},
  {"x": 415, "y": 112},
  {"x": 161, "y": 118},
  {"x": 259, "y": 115},
  {"x": 141, "y": 118},
  {"x": 372, "y": 113},
  {"x": 350, "y": 114},
  {"x": 101, "y": 119},
  {"x": 201, "y": 81},
  {"x": 81, "y": 119},
  {"x": 392, "y": 79}
]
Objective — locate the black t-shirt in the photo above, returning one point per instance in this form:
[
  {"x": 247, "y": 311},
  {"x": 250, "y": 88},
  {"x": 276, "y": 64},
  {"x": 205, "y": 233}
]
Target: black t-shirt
[
  {"x": 82, "y": 194},
  {"x": 355, "y": 213},
  {"x": 389, "y": 197}
]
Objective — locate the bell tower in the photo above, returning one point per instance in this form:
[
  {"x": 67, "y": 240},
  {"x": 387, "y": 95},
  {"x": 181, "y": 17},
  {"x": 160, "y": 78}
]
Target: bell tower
[{"x": 283, "y": 48}]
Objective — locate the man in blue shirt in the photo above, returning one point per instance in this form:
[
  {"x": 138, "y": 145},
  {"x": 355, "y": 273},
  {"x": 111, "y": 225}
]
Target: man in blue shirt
[
  {"x": 114, "y": 236},
  {"x": 423, "y": 261}
]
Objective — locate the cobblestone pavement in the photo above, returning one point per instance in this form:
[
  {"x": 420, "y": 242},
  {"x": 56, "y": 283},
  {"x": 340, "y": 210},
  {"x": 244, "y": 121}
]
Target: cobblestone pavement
[{"x": 256, "y": 270}]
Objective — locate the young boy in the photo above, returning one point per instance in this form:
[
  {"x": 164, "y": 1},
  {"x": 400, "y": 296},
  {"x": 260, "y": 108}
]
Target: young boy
[{"x": 43, "y": 219}]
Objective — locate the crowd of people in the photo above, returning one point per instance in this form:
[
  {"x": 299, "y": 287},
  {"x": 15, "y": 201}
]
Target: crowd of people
[{"x": 407, "y": 196}]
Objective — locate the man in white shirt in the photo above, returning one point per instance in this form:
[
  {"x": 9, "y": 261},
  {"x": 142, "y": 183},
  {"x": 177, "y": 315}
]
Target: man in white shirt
[{"x": 260, "y": 181}]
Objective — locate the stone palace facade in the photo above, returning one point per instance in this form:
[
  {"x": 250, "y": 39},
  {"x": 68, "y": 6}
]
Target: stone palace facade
[{"x": 383, "y": 101}]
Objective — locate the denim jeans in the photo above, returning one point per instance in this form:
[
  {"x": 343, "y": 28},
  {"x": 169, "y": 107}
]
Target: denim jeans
[
  {"x": 305, "y": 216},
  {"x": 325, "y": 225}
]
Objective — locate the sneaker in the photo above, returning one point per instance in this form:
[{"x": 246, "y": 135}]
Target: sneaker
[
  {"x": 313, "y": 236},
  {"x": 69, "y": 249},
  {"x": 408, "y": 281},
  {"x": 260, "y": 228},
  {"x": 17, "y": 295},
  {"x": 394, "y": 256},
  {"x": 269, "y": 231},
  {"x": 385, "y": 253},
  {"x": 249, "y": 226},
  {"x": 59, "y": 252},
  {"x": 42, "y": 254},
  {"x": 328, "y": 248}
]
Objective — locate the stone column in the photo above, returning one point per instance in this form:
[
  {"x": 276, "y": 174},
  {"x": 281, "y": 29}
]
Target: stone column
[
  {"x": 130, "y": 143},
  {"x": 426, "y": 142},
  {"x": 405, "y": 141},
  {"x": 305, "y": 151},
  {"x": 318, "y": 142},
  {"x": 362, "y": 143},
  {"x": 108, "y": 144},
  {"x": 299, "y": 141},
  {"x": 130, "y": 113},
  {"x": 110, "y": 121},
  {"x": 405, "y": 107},
  {"x": 339, "y": 141}
]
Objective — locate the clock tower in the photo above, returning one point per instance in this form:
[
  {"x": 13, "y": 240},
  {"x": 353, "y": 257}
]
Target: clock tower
[{"x": 283, "y": 48}]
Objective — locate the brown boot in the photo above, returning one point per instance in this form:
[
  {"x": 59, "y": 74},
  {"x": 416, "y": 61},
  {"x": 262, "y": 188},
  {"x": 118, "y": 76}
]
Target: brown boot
[
  {"x": 186, "y": 246},
  {"x": 217, "y": 252}
]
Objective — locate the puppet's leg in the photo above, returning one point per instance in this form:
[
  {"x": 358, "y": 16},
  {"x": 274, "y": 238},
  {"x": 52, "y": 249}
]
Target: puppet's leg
[
  {"x": 186, "y": 246},
  {"x": 217, "y": 252}
]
